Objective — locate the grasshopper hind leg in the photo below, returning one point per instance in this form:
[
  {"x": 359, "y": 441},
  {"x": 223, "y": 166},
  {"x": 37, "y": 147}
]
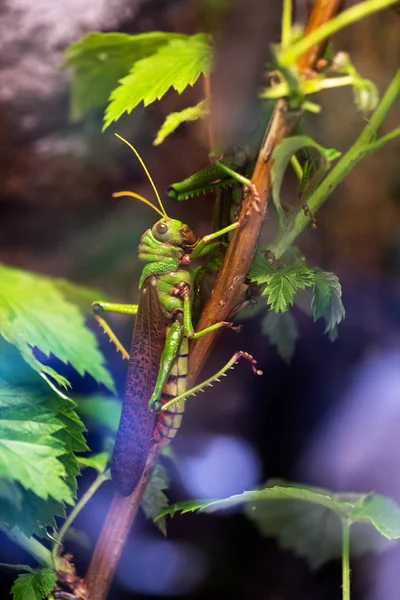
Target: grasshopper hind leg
[{"x": 216, "y": 377}]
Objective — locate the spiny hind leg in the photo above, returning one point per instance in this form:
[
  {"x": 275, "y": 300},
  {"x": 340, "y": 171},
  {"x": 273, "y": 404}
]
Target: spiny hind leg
[
  {"x": 99, "y": 308},
  {"x": 216, "y": 377}
]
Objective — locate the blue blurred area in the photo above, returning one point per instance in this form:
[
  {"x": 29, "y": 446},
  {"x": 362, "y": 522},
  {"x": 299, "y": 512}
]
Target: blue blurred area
[
  {"x": 223, "y": 466},
  {"x": 161, "y": 567}
]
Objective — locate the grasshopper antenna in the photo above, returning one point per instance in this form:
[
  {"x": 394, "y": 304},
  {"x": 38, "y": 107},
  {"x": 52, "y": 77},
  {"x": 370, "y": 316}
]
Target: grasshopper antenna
[
  {"x": 161, "y": 212},
  {"x": 138, "y": 197}
]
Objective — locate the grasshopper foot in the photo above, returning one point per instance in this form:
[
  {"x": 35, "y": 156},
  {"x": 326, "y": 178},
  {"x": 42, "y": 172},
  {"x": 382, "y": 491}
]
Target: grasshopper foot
[
  {"x": 97, "y": 308},
  {"x": 231, "y": 325},
  {"x": 249, "y": 357},
  {"x": 155, "y": 405}
]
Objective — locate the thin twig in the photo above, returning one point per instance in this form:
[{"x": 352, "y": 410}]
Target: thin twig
[
  {"x": 323, "y": 13},
  {"x": 345, "y": 559},
  {"x": 365, "y": 144},
  {"x": 17, "y": 567},
  {"x": 59, "y": 539},
  {"x": 317, "y": 38}
]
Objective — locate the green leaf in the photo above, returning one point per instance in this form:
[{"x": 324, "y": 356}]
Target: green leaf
[
  {"x": 96, "y": 461},
  {"x": 281, "y": 158},
  {"x": 308, "y": 520},
  {"x": 275, "y": 492},
  {"x": 29, "y": 451},
  {"x": 366, "y": 95},
  {"x": 177, "y": 64},
  {"x": 282, "y": 331},
  {"x": 36, "y": 482},
  {"x": 104, "y": 411},
  {"x": 34, "y": 586},
  {"x": 172, "y": 122},
  {"x": 283, "y": 285},
  {"x": 99, "y": 60},
  {"x": 33, "y": 516},
  {"x": 261, "y": 270},
  {"x": 78, "y": 294},
  {"x": 303, "y": 301},
  {"x": 283, "y": 281},
  {"x": 327, "y": 299},
  {"x": 10, "y": 493},
  {"x": 33, "y": 313},
  {"x": 381, "y": 512},
  {"x": 39, "y": 432},
  {"x": 154, "y": 499},
  {"x": 311, "y": 531},
  {"x": 18, "y": 567}
]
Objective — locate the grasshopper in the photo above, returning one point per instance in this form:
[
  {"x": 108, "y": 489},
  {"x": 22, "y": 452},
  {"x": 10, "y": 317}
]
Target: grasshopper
[
  {"x": 155, "y": 389},
  {"x": 220, "y": 174}
]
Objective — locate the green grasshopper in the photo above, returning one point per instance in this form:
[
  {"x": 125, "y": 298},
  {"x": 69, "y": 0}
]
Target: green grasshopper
[
  {"x": 156, "y": 379},
  {"x": 220, "y": 174}
]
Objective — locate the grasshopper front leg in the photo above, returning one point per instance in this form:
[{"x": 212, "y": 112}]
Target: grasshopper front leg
[
  {"x": 99, "y": 308},
  {"x": 187, "y": 320},
  {"x": 204, "y": 246}
]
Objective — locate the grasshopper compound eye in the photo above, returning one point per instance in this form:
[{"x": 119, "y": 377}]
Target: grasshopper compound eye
[{"x": 162, "y": 228}]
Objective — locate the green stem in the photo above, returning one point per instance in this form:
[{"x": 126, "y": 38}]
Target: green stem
[
  {"x": 315, "y": 86},
  {"x": 347, "y": 17},
  {"x": 345, "y": 559},
  {"x": 30, "y": 545},
  {"x": 311, "y": 107},
  {"x": 374, "y": 146},
  {"x": 100, "y": 479},
  {"x": 17, "y": 567},
  {"x": 286, "y": 23},
  {"x": 297, "y": 168},
  {"x": 310, "y": 86},
  {"x": 365, "y": 144}
]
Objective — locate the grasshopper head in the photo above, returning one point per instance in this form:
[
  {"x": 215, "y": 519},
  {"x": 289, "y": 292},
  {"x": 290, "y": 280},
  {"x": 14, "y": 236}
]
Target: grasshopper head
[{"x": 174, "y": 233}]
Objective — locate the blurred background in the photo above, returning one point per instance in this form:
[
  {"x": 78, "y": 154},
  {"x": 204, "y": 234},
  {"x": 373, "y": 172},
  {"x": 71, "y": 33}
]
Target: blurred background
[{"x": 331, "y": 417}]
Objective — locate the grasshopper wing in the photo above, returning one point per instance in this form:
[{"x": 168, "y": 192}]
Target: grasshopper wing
[{"x": 135, "y": 433}]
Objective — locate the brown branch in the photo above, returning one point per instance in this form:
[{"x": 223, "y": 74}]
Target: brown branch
[
  {"x": 227, "y": 295},
  {"x": 322, "y": 12},
  {"x": 113, "y": 536},
  {"x": 229, "y": 291}
]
